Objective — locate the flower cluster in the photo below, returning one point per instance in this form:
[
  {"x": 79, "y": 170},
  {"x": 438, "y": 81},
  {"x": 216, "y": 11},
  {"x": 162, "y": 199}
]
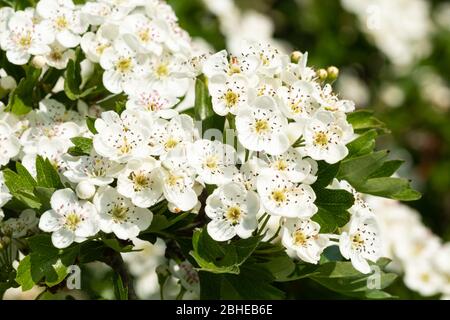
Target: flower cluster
[
  {"x": 142, "y": 157},
  {"x": 416, "y": 251}
]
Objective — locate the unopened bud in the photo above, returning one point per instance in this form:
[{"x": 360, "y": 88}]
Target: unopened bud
[
  {"x": 322, "y": 74},
  {"x": 38, "y": 62},
  {"x": 333, "y": 73},
  {"x": 85, "y": 190},
  {"x": 296, "y": 56}
]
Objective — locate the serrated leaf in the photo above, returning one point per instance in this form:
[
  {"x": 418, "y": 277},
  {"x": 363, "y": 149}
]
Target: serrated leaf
[
  {"x": 221, "y": 257},
  {"x": 387, "y": 169},
  {"x": 21, "y": 99},
  {"x": 46, "y": 174},
  {"x": 363, "y": 120},
  {"x": 325, "y": 174},
  {"x": 364, "y": 144},
  {"x": 82, "y": 146}
]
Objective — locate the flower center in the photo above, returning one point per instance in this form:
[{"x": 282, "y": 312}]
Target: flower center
[
  {"x": 56, "y": 55},
  {"x": 357, "y": 241},
  {"x": 124, "y": 65},
  {"x": 281, "y": 165},
  {"x": 234, "y": 66},
  {"x": 119, "y": 213},
  {"x": 211, "y": 162},
  {"x": 61, "y": 23},
  {"x": 172, "y": 180},
  {"x": 162, "y": 70},
  {"x": 425, "y": 277},
  {"x": 231, "y": 98},
  {"x": 140, "y": 180},
  {"x": 101, "y": 48},
  {"x": 25, "y": 40},
  {"x": 321, "y": 139},
  {"x": 233, "y": 214},
  {"x": 279, "y": 196},
  {"x": 299, "y": 238},
  {"x": 295, "y": 107},
  {"x": 72, "y": 221},
  {"x": 125, "y": 148},
  {"x": 261, "y": 126},
  {"x": 170, "y": 143},
  {"x": 264, "y": 59},
  {"x": 144, "y": 35}
]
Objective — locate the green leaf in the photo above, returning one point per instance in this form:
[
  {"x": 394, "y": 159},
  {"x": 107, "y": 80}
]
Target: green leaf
[
  {"x": 21, "y": 187},
  {"x": 364, "y": 144},
  {"x": 46, "y": 174},
  {"x": 82, "y": 146},
  {"x": 22, "y": 99},
  {"x": 72, "y": 77},
  {"x": 44, "y": 195},
  {"x": 387, "y": 169},
  {"x": 273, "y": 258},
  {"x": 90, "y": 123},
  {"x": 203, "y": 108},
  {"x": 340, "y": 276},
  {"x": 218, "y": 257},
  {"x": 118, "y": 245},
  {"x": 333, "y": 205},
  {"x": 325, "y": 174},
  {"x": 357, "y": 170},
  {"x": 253, "y": 283},
  {"x": 394, "y": 188},
  {"x": 363, "y": 120},
  {"x": 44, "y": 263}
]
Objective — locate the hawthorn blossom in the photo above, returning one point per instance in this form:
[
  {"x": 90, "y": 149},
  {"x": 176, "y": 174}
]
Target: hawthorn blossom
[
  {"x": 117, "y": 214},
  {"x": 213, "y": 161},
  {"x": 25, "y": 38},
  {"x": 302, "y": 239},
  {"x": 233, "y": 212},
  {"x": 141, "y": 182},
  {"x": 69, "y": 219},
  {"x": 281, "y": 197},
  {"x": 360, "y": 242},
  {"x": 228, "y": 94},
  {"x": 9, "y": 143}
]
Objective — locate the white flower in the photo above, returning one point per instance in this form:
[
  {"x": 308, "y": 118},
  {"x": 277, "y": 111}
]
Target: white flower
[
  {"x": 298, "y": 71},
  {"x": 219, "y": 64},
  {"x": 5, "y": 196},
  {"x": 168, "y": 73},
  {"x": 228, "y": 94},
  {"x": 59, "y": 56},
  {"x": 298, "y": 101},
  {"x": 121, "y": 138},
  {"x": 166, "y": 135},
  {"x": 422, "y": 277},
  {"x": 19, "y": 227},
  {"x": 95, "y": 44},
  {"x": 25, "y": 38},
  {"x": 119, "y": 215},
  {"x": 69, "y": 219},
  {"x": 330, "y": 102},
  {"x": 64, "y": 21},
  {"x": 213, "y": 161},
  {"x": 361, "y": 242},
  {"x": 52, "y": 126},
  {"x": 302, "y": 239},
  {"x": 271, "y": 61},
  {"x": 95, "y": 169},
  {"x": 122, "y": 66},
  {"x": 156, "y": 101},
  {"x": 281, "y": 197},
  {"x": 249, "y": 172},
  {"x": 141, "y": 182},
  {"x": 178, "y": 179},
  {"x": 142, "y": 34},
  {"x": 261, "y": 127},
  {"x": 9, "y": 144},
  {"x": 292, "y": 164},
  {"x": 325, "y": 137},
  {"x": 232, "y": 210}
]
